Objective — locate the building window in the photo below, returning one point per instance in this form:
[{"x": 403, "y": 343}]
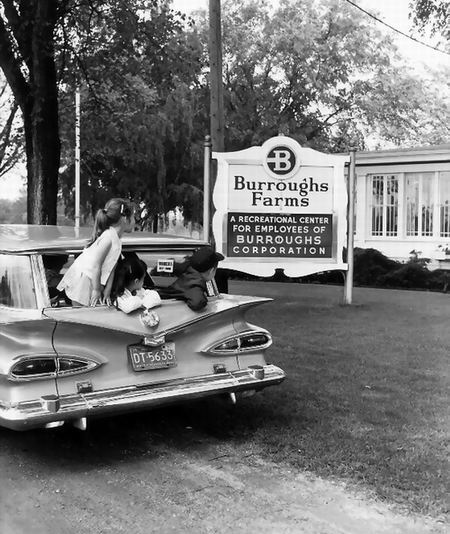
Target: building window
[
  {"x": 419, "y": 194},
  {"x": 444, "y": 203},
  {"x": 384, "y": 205}
]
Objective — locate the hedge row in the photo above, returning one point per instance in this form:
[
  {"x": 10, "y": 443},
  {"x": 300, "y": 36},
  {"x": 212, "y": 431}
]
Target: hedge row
[{"x": 373, "y": 269}]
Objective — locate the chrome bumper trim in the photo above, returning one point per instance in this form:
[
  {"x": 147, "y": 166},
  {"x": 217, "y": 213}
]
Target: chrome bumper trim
[{"x": 37, "y": 413}]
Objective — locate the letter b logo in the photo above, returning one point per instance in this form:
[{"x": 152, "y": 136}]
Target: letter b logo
[{"x": 281, "y": 160}]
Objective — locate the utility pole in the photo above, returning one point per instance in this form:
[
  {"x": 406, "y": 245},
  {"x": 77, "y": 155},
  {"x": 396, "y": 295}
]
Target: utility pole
[
  {"x": 216, "y": 117},
  {"x": 215, "y": 77},
  {"x": 77, "y": 157}
]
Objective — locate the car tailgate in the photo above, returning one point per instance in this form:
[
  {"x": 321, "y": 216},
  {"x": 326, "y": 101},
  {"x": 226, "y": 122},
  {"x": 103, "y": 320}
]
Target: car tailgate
[{"x": 104, "y": 334}]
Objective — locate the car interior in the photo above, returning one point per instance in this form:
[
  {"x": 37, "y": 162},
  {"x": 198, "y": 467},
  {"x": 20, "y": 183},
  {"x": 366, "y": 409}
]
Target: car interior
[{"x": 57, "y": 264}]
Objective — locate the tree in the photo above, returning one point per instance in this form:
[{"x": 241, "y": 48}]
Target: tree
[
  {"x": 321, "y": 75},
  {"x": 44, "y": 42},
  {"x": 139, "y": 71},
  {"x": 10, "y": 133},
  {"x": 317, "y": 71},
  {"x": 27, "y": 58},
  {"x": 432, "y": 14}
]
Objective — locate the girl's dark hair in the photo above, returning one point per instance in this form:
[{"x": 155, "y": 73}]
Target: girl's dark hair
[
  {"x": 111, "y": 214},
  {"x": 127, "y": 270}
]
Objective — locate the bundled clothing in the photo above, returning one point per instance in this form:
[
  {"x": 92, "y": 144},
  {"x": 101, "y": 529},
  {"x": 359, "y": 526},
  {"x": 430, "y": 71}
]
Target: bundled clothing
[
  {"x": 190, "y": 286},
  {"x": 141, "y": 298}
]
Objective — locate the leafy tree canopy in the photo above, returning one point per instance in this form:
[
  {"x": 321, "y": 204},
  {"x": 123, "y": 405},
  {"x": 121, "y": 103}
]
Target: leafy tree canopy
[
  {"x": 432, "y": 14},
  {"x": 322, "y": 74},
  {"x": 319, "y": 72},
  {"x": 139, "y": 71},
  {"x": 11, "y": 133}
]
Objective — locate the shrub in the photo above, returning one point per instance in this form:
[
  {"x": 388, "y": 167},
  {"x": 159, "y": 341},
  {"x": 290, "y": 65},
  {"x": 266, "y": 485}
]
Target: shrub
[
  {"x": 371, "y": 268},
  {"x": 439, "y": 280},
  {"x": 411, "y": 275},
  {"x": 327, "y": 277},
  {"x": 370, "y": 264}
]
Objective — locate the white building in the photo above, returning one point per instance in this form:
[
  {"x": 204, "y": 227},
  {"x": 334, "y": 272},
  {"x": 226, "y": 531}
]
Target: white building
[{"x": 403, "y": 202}]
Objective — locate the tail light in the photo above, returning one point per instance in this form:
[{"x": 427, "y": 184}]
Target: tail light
[
  {"x": 35, "y": 368},
  {"x": 243, "y": 342},
  {"x": 45, "y": 366}
]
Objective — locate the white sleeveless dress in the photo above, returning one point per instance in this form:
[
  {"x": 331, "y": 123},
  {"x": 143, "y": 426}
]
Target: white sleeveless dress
[{"x": 77, "y": 282}]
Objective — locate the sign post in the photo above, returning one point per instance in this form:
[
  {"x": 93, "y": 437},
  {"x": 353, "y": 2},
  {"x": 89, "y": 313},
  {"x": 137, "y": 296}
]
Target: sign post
[
  {"x": 280, "y": 206},
  {"x": 206, "y": 187},
  {"x": 348, "y": 293}
]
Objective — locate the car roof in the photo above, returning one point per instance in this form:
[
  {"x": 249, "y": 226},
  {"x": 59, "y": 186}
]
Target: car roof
[{"x": 20, "y": 238}]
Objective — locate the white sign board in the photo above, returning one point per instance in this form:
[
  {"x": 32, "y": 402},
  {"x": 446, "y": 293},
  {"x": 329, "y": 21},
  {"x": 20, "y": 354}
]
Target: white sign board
[
  {"x": 164, "y": 266},
  {"x": 280, "y": 206}
]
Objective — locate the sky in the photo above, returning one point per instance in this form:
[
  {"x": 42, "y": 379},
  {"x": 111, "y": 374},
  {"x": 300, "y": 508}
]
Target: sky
[{"x": 393, "y": 12}]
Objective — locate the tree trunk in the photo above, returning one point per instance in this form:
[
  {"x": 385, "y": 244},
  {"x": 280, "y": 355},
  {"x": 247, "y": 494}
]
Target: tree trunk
[
  {"x": 31, "y": 49},
  {"x": 42, "y": 125}
]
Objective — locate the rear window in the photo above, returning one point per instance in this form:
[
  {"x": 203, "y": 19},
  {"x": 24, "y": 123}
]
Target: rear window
[
  {"x": 160, "y": 266},
  {"x": 16, "y": 282}
]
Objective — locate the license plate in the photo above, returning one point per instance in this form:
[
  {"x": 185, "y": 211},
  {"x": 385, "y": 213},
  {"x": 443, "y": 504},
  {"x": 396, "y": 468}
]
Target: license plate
[{"x": 143, "y": 358}]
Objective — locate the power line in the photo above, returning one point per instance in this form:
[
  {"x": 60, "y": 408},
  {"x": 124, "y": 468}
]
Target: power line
[{"x": 396, "y": 29}]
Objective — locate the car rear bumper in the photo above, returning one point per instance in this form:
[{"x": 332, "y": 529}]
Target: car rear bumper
[{"x": 53, "y": 409}]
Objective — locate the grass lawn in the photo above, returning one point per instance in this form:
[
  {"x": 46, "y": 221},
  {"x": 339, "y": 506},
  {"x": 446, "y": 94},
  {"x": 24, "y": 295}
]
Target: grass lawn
[
  {"x": 365, "y": 402},
  {"x": 367, "y": 394}
]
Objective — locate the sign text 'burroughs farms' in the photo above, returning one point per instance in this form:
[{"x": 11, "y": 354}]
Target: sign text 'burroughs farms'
[
  {"x": 268, "y": 193},
  {"x": 274, "y": 235},
  {"x": 311, "y": 189}
]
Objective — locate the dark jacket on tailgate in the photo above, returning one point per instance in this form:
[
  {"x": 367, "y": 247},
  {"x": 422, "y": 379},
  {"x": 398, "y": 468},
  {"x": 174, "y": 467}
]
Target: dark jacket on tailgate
[{"x": 190, "y": 286}]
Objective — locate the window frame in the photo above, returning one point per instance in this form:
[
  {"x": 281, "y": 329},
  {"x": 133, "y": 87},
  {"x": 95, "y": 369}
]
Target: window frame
[
  {"x": 384, "y": 206},
  {"x": 439, "y": 205},
  {"x": 435, "y": 177},
  {"x": 38, "y": 286},
  {"x": 161, "y": 280},
  {"x": 421, "y": 175}
]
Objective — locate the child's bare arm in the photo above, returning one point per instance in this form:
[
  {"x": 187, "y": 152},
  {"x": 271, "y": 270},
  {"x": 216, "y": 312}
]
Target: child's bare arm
[
  {"x": 101, "y": 251},
  {"x": 108, "y": 288}
]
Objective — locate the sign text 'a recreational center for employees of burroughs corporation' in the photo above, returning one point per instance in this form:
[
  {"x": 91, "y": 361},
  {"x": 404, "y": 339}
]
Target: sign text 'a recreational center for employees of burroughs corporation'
[
  {"x": 280, "y": 206},
  {"x": 268, "y": 235}
]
